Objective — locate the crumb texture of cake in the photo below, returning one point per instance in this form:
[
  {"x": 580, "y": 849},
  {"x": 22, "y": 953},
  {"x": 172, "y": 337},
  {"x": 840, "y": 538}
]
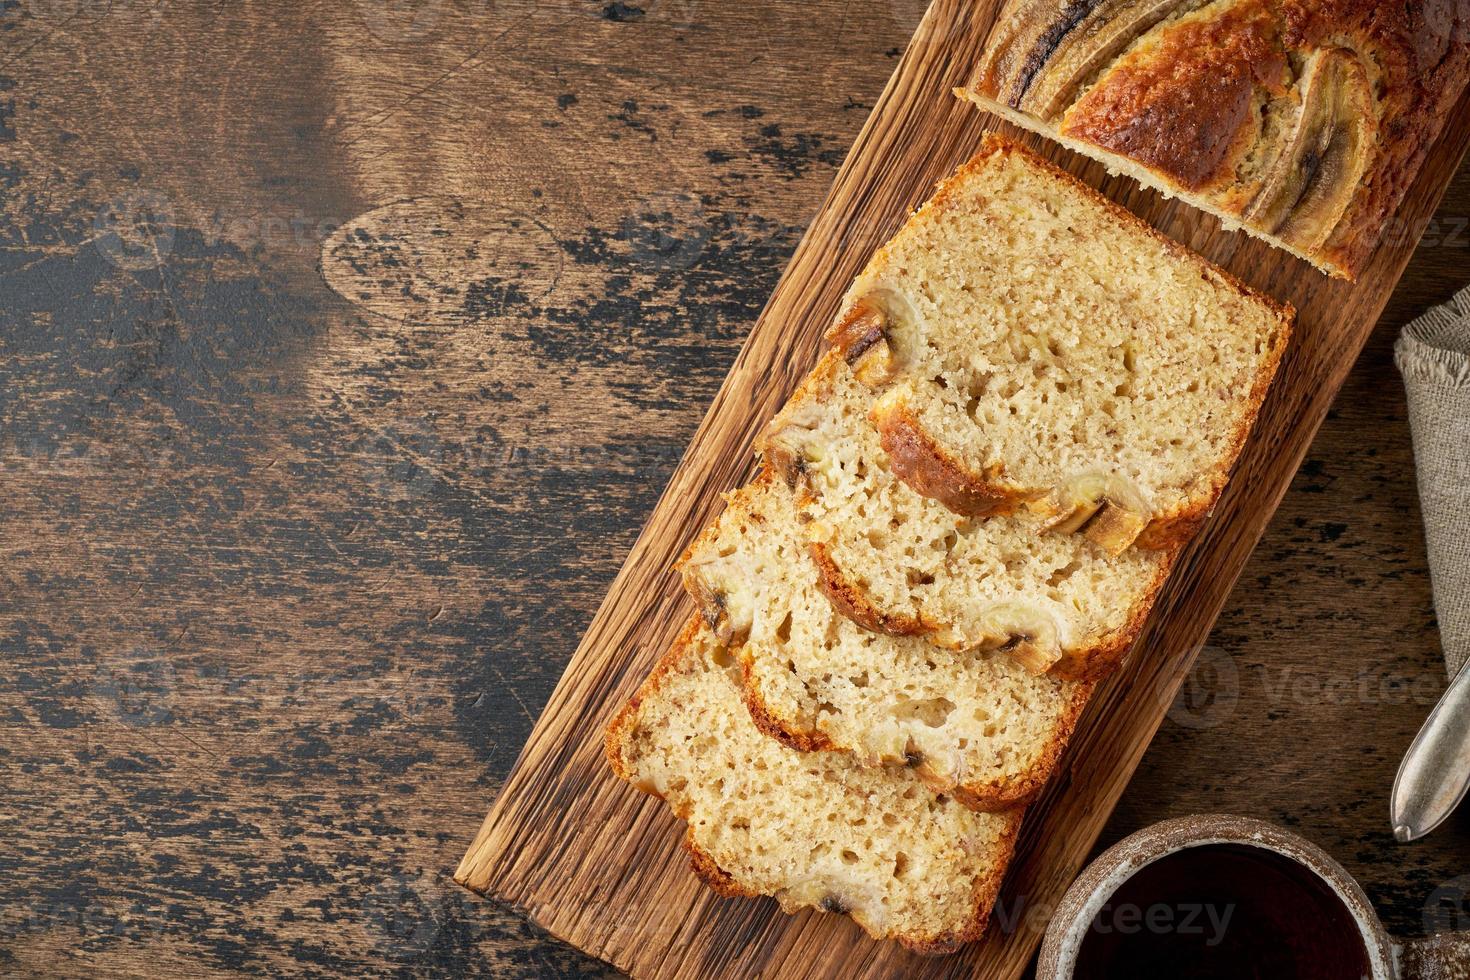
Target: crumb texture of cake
[
  {"x": 1028, "y": 403},
  {"x": 1032, "y": 346},
  {"x": 901, "y": 563},
  {"x": 976, "y": 725},
  {"x": 811, "y": 829},
  {"x": 1304, "y": 121}
]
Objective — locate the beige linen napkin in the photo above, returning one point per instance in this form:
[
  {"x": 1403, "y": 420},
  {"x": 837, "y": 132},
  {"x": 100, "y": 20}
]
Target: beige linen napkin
[{"x": 1433, "y": 355}]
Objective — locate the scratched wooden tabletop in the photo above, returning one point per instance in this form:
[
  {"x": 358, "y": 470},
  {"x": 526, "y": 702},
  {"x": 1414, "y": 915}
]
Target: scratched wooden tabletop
[{"x": 344, "y": 347}]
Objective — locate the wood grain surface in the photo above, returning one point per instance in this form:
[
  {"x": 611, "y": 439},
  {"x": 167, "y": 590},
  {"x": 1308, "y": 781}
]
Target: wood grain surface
[
  {"x": 345, "y": 348},
  {"x": 595, "y": 862}
]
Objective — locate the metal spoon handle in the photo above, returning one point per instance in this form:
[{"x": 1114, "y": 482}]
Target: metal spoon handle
[{"x": 1435, "y": 773}]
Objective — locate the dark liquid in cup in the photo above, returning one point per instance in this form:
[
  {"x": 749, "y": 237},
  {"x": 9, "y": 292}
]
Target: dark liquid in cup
[{"x": 1225, "y": 911}]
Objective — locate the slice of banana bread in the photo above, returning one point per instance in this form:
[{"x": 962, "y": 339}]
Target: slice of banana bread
[
  {"x": 976, "y": 725},
  {"x": 1030, "y": 343},
  {"x": 812, "y": 829},
  {"x": 902, "y": 563}
]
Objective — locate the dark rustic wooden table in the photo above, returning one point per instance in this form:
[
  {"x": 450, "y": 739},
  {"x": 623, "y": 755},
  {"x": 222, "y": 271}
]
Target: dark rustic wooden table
[{"x": 345, "y": 347}]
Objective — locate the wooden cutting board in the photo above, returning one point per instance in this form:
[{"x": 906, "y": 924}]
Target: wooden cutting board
[{"x": 599, "y": 864}]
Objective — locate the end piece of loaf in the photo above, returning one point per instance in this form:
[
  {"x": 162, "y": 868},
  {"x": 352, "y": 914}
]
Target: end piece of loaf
[
  {"x": 812, "y": 829},
  {"x": 896, "y": 561},
  {"x": 976, "y": 725},
  {"x": 1030, "y": 344},
  {"x": 1302, "y": 121}
]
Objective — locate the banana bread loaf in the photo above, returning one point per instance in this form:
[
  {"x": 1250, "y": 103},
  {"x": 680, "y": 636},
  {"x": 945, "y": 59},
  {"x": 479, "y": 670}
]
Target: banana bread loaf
[{"x": 1304, "y": 121}]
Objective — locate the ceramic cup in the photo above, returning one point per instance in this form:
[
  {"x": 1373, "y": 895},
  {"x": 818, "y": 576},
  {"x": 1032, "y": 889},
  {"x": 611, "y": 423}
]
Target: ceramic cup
[{"x": 1442, "y": 957}]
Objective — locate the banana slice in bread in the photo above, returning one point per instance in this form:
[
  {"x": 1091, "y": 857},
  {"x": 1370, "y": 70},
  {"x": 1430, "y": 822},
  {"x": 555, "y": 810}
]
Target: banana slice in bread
[
  {"x": 1033, "y": 347},
  {"x": 812, "y": 829},
  {"x": 977, "y": 725}
]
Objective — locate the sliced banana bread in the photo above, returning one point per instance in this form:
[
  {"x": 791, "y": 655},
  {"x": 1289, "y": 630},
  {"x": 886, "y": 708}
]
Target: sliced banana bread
[
  {"x": 902, "y": 563},
  {"x": 1030, "y": 343},
  {"x": 812, "y": 829},
  {"x": 977, "y": 725}
]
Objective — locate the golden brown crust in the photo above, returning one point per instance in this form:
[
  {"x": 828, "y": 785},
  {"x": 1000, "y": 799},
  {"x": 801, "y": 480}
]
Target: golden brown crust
[
  {"x": 984, "y": 894},
  {"x": 1185, "y": 101},
  {"x": 1020, "y": 790},
  {"x": 853, "y": 602},
  {"x": 615, "y": 736},
  {"x": 1101, "y": 657},
  {"x": 716, "y": 878},
  {"x": 924, "y": 465},
  {"x": 990, "y": 796},
  {"x": 1189, "y": 106},
  {"x": 768, "y": 723},
  {"x": 1076, "y": 49},
  {"x": 1176, "y": 530},
  {"x": 1092, "y": 660},
  {"x": 1422, "y": 59},
  {"x": 1171, "y": 532}
]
